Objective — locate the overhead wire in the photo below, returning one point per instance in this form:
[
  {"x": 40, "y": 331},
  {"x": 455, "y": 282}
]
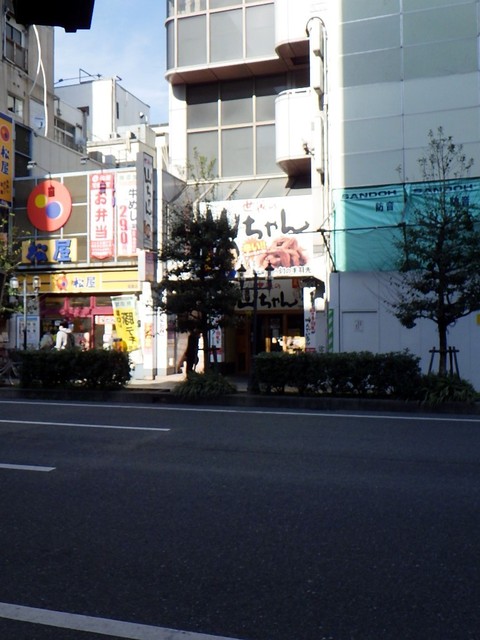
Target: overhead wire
[{"x": 41, "y": 67}]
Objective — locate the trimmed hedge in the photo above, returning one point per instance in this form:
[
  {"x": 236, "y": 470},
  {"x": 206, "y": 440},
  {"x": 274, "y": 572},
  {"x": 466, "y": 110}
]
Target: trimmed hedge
[
  {"x": 204, "y": 385},
  {"x": 72, "y": 368},
  {"x": 361, "y": 374}
]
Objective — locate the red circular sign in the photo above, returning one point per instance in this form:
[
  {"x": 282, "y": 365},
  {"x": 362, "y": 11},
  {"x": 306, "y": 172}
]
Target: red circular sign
[
  {"x": 4, "y": 133},
  {"x": 49, "y": 205}
]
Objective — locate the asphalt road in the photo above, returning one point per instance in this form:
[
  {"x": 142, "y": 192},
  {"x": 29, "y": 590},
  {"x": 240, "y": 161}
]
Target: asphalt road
[{"x": 130, "y": 521}]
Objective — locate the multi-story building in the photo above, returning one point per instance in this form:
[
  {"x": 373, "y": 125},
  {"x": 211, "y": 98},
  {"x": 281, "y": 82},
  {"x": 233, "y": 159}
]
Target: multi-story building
[
  {"x": 79, "y": 170},
  {"x": 316, "y": 113},
  {"x": 234, "y": 100}
]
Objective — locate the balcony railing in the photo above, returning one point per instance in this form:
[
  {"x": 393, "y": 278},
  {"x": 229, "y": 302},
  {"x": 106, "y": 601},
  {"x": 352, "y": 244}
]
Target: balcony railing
[{"x": 294, "y": 130}]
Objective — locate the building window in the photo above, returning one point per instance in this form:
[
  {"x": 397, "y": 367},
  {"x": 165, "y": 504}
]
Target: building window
[
  {"x": 233, "y": 123},
  {"x": 192, "y": 39},
  {"x": 23, "y": 149},
  {"x": 170, "y": 45},
  {"x": 266, "y": 90},
  {"x": 205, "y": 144},
  {"x": 65, "y": 134},
  {"x": 236, "y": 101},
  {"x": 226, "y": 32},
  {"x": 14, "y": 50},
  {"x": 190, "y": 6},
  {"x": 202, "y": 109},
  {"x": 15, "y": 105},
  {"x": 215, "y": 31},
  {"x": 265, "y": 147},
  {"x": 260, "y": 35},
  {"x": 220, "y": 4},
  {"x": 237, "y": 152}
]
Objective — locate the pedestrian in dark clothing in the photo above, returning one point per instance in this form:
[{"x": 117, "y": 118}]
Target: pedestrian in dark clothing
[{"x": 191, "y": 353}]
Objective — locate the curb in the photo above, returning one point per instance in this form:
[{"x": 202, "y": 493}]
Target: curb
[{"x": 240, "y": 399}]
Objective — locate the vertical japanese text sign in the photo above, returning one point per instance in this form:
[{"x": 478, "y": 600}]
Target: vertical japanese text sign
[
  {"x": 6, "y": 161},
  {"x": 126, "y": 201},
  {"x": 145, "y": 200},
  {"x": 124, "y": 311},
  {"x": 102, "y": 202}
]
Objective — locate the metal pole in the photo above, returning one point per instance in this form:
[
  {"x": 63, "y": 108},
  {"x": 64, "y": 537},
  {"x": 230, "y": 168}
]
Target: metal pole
[
  {"x": 253, "y": 384},
  {"x": 25, "y": 314}
]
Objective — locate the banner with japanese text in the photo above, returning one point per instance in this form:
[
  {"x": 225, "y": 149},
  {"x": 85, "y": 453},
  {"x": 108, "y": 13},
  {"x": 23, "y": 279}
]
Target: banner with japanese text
[
  {"x": 126, "y": 201},
  {"x": 126, "y": 321},
  {"x": 7, "y": 161},
  {"x": 102, "y": 210},
  {"x": 283, "y": 295},
  {"x": 366, "y": 227},
  {"x": 145, "y": 200},
  {"x": 275, "y": 231},
  {"x": 368, "y": 221}
]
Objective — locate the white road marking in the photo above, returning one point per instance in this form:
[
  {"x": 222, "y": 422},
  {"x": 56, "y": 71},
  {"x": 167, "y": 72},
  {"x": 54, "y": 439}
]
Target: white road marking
[
  {"x": 310, "y": 414},
  {"x": 102, "y": 626},
  {"x": 273, "y": 412},
  {"x": 79, "y": 424},
  {"x": 25, "y": 467}
]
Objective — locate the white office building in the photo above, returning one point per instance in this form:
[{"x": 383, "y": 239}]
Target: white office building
[{"x": 316, "y": 113}]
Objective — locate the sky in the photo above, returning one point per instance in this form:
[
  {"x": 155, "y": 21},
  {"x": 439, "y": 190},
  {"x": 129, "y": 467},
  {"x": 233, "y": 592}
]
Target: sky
[{"x": 126, "y": 39}]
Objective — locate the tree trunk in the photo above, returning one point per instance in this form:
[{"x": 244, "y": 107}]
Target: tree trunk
[
  {"x": 206, "y": 349},
  {"x": 442, "y": 341}
]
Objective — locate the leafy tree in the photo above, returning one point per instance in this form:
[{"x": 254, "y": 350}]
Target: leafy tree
[
  {"x": 197, "y": 285},
  {"x": 9, "y": 260},
  {"x": 198, "y": 253},
  {"x": 440, "y": 265}
]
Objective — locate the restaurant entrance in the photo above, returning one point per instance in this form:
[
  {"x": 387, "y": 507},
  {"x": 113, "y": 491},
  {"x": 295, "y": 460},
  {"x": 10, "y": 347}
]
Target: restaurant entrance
[{"x": 275, "y": 331}]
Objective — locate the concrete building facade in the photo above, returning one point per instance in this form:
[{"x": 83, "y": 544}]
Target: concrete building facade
[
  {"x": 316, "y": 114},
  {"x": 82, "y": 180}
]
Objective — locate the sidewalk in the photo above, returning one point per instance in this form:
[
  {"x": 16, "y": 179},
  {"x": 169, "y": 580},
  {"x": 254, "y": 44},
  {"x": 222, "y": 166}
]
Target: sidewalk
[
  {"x": 165, "y": 383},
  {"x": 168, "y": 383},
  {"x": 159, "y": 391}
]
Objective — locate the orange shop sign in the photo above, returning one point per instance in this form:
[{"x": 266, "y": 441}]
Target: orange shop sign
[{"x": 6, "y": 161}]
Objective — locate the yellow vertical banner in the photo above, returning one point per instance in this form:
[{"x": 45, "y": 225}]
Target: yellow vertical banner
[
  {"x": 7, "y": 161},
  {"x": 126, "y": 322}
]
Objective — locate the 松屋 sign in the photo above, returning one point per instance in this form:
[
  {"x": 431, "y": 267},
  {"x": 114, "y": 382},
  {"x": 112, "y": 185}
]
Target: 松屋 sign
[{"x": 6, "y": 161}]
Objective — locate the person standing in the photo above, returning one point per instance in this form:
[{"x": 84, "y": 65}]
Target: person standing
[
  {"x": 47, "y": 342},
  {"x": 63, "y": 339},
  {"x": 191, "y": 353}
]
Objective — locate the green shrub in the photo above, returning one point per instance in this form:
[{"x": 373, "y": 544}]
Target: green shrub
[
  {"x": 104, "y": 369},
  {"x": 273, "y": 371},
  {"x": 362, "y": 374},
  {"x": 436, "y": 389},
  {"x": 396, "y": 374},
  {"x": 72, "y": 368},
  {"x": 204, "y": 385}
]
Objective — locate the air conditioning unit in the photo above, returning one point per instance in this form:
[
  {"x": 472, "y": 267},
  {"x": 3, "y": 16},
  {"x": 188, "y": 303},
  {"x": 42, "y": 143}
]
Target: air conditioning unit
[
  {"x": 110, "y": 160},
  {"x": 96, "y": 155}
]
